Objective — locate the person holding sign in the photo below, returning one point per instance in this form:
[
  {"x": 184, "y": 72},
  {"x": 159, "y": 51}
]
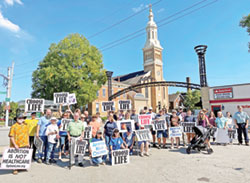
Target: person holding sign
[
  {"x": 19, "y": 135},
  {"x": 109, "y": 128},
  {"x": 101, "y": 159},
  {"x": 32, "y": 124},
  {"x": 76, "y": 129},
  {"x": 150, "y": 111},
  {"x": 116, "y": 143},
  {"x": 174, "y": 122},
  {"x": 41, "y": 129},
  {"x": 189, "y": 118},
  {"x": 52, "y": 132},
  {"x": 95, "y": 125},
  {"x": 161, "y": 133},
  {"x": 63, "y": 136}
]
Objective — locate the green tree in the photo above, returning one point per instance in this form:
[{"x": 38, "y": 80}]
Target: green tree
[
  {"x": 192, "y": 98},
  {"x": 13, "y": 110},
  {"x": 72, "y": 65},
  {"x": 245, "y": 22}
]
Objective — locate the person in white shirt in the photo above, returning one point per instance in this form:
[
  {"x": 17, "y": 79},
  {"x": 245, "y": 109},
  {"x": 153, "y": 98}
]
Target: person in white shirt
[{"x": 52, "y": 133}]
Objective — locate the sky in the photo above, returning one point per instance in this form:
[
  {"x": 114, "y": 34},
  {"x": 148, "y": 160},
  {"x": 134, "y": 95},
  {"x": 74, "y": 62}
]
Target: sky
[{"x": 28, "y": 28}]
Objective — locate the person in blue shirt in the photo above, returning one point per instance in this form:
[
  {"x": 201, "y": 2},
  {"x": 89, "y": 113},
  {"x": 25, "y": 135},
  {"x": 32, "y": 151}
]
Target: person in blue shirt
[
  {"x": 221, "y": 121},
  {"x": 116, "y": 143},
  {"x": 241, "y": 120},
  {"x": 64, "y": 143},
  {"x": 129, "y": 139},
  {"x": 41, "y": 129},
  {"x": 101, "y": 159},
  {"x": 109, "y": 128}
]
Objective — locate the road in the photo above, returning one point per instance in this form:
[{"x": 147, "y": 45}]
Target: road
[{"x": 227, "y": 164}]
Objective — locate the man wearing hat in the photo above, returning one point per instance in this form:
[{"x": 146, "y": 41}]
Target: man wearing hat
[
  {"x": 32, "y": 124},
  {"x": 19, "y": 135}
]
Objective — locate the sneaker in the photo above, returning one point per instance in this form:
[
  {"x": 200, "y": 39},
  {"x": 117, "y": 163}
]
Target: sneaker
[
  {"x": 247, "y": 144},
  {"x": 80, "y": 164},
  {"x": 91, "y": 162},
  {"x": 164, "y": 146},
  {"x": 60, "y": 158},
  {"x": 53, "y": 161},
  {"x": 47, "y": 163},
  {"x": 39, "y": 161},
  {"x": 97, "y": 165},
  {"x": 171, "y": 147},
  {"x": 15, "y": 172},
  {"x": 154, "y": 145},
  {"x": 141, "y": 154},
  {"x": 103, "y": 163},
  {"x": 146, "y": 154},
  {"x": 239, "y": 144},
  {"x": 159, "y": 147}
]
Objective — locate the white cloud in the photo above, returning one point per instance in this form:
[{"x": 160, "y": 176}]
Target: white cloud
[
  {"x": 160, "y": 10},
  {"x": 5, "y": 23},
  {"x": 139, "y": 8},
  {"x": 11, "y": 2}
]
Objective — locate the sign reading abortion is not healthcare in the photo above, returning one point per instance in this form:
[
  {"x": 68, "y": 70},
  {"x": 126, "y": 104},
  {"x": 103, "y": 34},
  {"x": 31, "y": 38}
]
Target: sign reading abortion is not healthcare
[
  {"x": 120, "y": 157},
  {"x": 34, "y": 105},
  {"x": 98, "y": 148},
  {"x": 16, "y": 159},
  {"x": 61, "y": 98}
]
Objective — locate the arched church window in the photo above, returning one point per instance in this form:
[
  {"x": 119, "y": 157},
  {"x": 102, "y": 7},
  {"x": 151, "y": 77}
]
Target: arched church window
[{"x": 153, "y": 34}]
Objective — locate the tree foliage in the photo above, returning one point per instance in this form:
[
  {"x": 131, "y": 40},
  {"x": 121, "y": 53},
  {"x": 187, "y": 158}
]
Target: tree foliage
[
  {"x": 192, "y": 98},
  {"x": 245, "y": 23},
  {"x": 72, "y": 65},
  {"x": 13, "y": 110}
]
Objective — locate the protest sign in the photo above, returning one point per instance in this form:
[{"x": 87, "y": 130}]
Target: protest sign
[
  {"x": 34, "y": 105},
  {"x": 175, "y": 132},
  {"x": 232, "y": 133},
  {"x": 16, "y": 159},
  {"x": 98, "y": 148},
  {"x": 160, "y": 125},
  {"x": 145, "y": 119},
  {"x": 188, "y": 127},
  {"x": 143, "y": 135},
  {"x": 124, "y": 104},
  {"x": 88, "y": 132},
  {"x": 124, "y": 124},
  {"x": 120, "y": 157},
  {"x": 108, "y": 106},
  {"x": 222, "y": 136},
  {"x": 64, "y": 124},
  {"x": 80, "y": 147},
  {"x": 72, "y": 99},
  {"x": 61, "y": 98},
  {"x": 149, "y": 127},
  {"x": 38, "y": 143}
]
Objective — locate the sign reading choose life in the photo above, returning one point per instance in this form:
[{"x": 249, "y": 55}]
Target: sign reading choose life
[
  {"x": 108, "y": 106},
  {"x": 124, "y": 104},
  {"x": 143, "y": 135},
  {"x": 61, "y": 98},
  {"x": 120, "y": 157},
  {"x": 34, "y": 105}
]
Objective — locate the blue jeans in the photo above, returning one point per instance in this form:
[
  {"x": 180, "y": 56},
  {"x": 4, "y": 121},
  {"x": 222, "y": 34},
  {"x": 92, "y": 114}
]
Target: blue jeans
[
  {"x": 242, "y": 129},
  {"x": 45, "y": 147},
  {"x": 63, "y": 142},
  {"x": 107, "y": 140},
  {"x": 51, "y": 151},
  {"x": 98, "y": 160}
]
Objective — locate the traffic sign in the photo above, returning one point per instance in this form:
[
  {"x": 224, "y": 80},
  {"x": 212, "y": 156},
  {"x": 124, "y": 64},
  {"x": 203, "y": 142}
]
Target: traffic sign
[
  {"x": 7, "y": 99},
  {"x": 3, "y": 92}
]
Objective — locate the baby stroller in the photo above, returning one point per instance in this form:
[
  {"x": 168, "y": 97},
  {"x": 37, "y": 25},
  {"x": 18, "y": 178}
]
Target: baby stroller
[{"x": 199, "y": 141}]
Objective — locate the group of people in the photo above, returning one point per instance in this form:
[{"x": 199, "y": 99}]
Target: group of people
[{"x": 49, "y": 130}]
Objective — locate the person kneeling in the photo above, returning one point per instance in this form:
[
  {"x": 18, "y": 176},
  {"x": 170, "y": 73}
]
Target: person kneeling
[
  {"x": 129, "y": 139},
  {"x": 100, "y": 159}
]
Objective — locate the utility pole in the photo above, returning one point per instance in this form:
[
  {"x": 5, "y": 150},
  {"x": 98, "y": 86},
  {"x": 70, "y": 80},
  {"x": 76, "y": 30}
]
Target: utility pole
[{"x": 8, "y": 94}]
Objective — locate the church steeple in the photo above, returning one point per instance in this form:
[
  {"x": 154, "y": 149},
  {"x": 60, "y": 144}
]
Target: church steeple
[{"x": 151, "y": 29}]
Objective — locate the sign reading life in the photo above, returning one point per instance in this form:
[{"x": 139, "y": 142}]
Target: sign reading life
[{"x": 34, "y": 105}]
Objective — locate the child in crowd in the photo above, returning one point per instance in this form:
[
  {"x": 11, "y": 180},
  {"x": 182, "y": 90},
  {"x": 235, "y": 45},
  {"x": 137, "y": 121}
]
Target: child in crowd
[
  {"x": 52, "y": 133},
  {"x": 101, "y": 159}
]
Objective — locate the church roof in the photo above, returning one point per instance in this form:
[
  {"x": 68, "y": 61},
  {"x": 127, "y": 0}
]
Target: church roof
[{"x": 131, "y": 78}]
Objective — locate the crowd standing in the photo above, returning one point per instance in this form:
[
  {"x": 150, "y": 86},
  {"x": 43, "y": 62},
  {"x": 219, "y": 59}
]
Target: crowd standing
[{"x": 49, "y": 129}]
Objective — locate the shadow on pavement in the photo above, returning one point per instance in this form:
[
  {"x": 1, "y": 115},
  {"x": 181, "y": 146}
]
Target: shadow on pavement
[{"x": 5, "y": 172}]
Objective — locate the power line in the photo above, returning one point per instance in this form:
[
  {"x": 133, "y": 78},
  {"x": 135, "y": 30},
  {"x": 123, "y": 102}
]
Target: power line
[
  {"x": 121, "y": 21},
  {"x": 119, "y": 42},
  {"x": 142, "y": 29}
]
